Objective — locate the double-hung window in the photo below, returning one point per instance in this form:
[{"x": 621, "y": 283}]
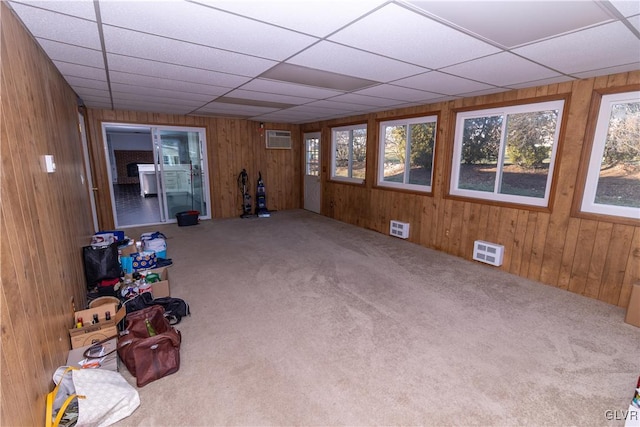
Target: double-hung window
[
  {"x": 506, "y": 154},
  {"x": 406, "y": 153},
  {"x": 612, "y": 185},
  {"x": 349, "y": 153}
]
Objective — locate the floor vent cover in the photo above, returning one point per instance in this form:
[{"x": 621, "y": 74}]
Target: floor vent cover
[
  {"x": 487, "y": 252},
  {"x": 399, "y": 229}
]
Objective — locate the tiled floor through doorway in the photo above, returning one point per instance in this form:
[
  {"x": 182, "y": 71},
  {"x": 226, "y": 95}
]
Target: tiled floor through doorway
[{"x": 132, "y": 208}]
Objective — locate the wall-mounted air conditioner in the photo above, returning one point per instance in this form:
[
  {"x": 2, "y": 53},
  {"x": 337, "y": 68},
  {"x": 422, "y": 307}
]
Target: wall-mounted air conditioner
[{"x": 279, "y": 139}]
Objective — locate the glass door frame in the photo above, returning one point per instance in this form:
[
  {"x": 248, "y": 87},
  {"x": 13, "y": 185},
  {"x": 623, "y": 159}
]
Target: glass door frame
[{"x": 159, "y": 169}]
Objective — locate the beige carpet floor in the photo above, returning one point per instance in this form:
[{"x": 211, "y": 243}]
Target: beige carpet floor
[{"x": 300, "y": 320}]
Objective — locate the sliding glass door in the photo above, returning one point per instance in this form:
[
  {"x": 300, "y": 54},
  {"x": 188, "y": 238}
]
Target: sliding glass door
[
  {"x": 180, "y": 157},
  {"x": 156, "y": 172}
]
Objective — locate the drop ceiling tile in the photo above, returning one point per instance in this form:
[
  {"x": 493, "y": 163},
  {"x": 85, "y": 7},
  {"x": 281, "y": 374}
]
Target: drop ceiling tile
[
  {"x": 364, "y": 100},
  {"x": 80, "y": 9},
  {"x": 203, "y": 25},
  {"x": 501, "y": 69},
  {"x": 438, "y": 82},
  {"x": 611, "y": 44},
  {"x": 86, "y": 92},
  {"x": 316, "y": 17},
  {"x": 72, "y": 53},
  {"x": 154, "y": 108},
  {"x": 268, "y": 97},
  {"x": 80, "y": 82},
  {"x": 151, "y": 91},
  {"x": 634, "y": 66},
  {"x": 159, "y": 83},
  {"x": 75, "y": 70},
  {"x": 542, "y": 82},
  {"x": 483, "y": 92},
  {"x": 353, "y": 62},
  {"x": 152, "y": 100},
  {"x": 98, "y": 105},
  {"x": 627, "y": 7},
  {"x": 513, "y": 23},
  {"x": 146, "y": 46},
  {"x": 271, "y": 86},
  {"x": 635, "y": 21},
  {"x": 55, "y": 26},
  {"x": 147, "y": 67},
  {"x": 335, "y": 105},
  {"x": 397, "y": 92},
  {"x": 398, "y": 33},
  {"x": 247, "y": 110}
]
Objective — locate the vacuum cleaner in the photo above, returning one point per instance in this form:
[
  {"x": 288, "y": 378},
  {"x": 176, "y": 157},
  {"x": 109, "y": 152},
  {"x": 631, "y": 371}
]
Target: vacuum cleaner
[
  {"x": 244, "y": 192},
  {"x": 261, "y": 199}
]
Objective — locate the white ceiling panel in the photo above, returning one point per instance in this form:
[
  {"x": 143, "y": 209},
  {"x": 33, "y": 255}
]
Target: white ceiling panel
[
  {"x": 353, "y": 62},
  {"x": 203, "y": 25},
  {"x": 398, "y": 93},
  {"x": 507, "y": 22},
  {"x": 118, "y": 40},
  {"x": 73, "y": 54},
  {"x": 197, "y": 99},
  {"x": 316, "y": 17},
  {"x": 627, "y": 7},
  {"x": 270, "y": 97},
  {"x": 81, "y": 82},
  {"x": 438, "y": 82},
  {"x": 363, "y": 101},
  {"x": 501, "y": 69},
  {"x": 78, "y": 8},
  {"x": 76, "y": 70},
  {"x": 59, "y": 27},
  {"x": 270, "y": 86},
  {"x": 151, "y": 68},
  {"x": 611, "y": 44},
  {"x": 330, "y": 58},
  {"x": 159, "y": 83},
  {"x": 399, "y": 33}
]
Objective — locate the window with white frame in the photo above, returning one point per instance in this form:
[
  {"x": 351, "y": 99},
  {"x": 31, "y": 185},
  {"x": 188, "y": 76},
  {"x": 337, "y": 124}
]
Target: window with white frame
[
  {"x": 612, "y": 186},
  {"x": 406, "y": 153},
  {"x": 349, "y": 153},
  {"x": 506, "y": 154}
]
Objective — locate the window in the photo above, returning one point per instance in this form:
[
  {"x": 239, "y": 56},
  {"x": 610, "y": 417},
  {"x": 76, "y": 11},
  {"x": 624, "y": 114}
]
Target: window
[
  {"x": 406, "y": 153},
  {"x": 613, "y": 179},
  {"x": 506, "y": 154},
  {"x": 313, "y": 156},
  {"x": 349, "y": 153}
]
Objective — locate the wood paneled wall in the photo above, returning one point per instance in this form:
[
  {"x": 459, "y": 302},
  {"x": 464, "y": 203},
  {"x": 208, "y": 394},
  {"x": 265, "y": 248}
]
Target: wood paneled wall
[
  {"x": 598, "y": 258},
  {"x": 232, "y": 145},
  {"x": 45, "y": 220}
]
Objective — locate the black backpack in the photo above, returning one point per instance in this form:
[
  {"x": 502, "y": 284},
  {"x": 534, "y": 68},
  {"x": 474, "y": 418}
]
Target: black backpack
[{"x": 174, "y": 308}]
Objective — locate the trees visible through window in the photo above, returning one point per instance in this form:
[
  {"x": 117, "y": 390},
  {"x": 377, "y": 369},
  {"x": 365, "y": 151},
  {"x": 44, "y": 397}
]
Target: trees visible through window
[
  {"x": 613, "y": 178},
  {"x": 406, "y": 153},
  {"x": 349, "y": 153},
  {"x": 507, "y": 154}
]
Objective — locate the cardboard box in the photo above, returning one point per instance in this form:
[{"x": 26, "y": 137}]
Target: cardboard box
[
  {"x": 109, "y": 362},
  {"x": 159, "y": 289},
  {"x": 129, "y": 249},
  {"x": 89, "y": 334},
  {"x": 633, "y": 309}
]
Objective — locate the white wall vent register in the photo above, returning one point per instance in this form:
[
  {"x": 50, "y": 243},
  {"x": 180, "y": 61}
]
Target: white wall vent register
[
  {"x": 279, "y": 139},
  {"x": 488, "y": 252},
  {"x": 399, "y": 229}
]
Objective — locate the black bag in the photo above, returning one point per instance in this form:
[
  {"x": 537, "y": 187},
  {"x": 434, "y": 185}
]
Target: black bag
[
  {"x": 174, "y": 308},
  {"x": 101, "y": 264}
]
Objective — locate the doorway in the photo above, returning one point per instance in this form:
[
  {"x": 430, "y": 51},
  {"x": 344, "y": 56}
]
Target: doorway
[
  {"x": 156, "y": 172},
  {"x": 312, "y": 185}
]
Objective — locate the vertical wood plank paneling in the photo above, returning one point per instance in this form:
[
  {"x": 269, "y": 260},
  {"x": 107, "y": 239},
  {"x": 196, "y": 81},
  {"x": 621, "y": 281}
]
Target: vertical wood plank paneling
[
  {"x": 632, "y": 272},
  {"x": 551, "y": 247},
  {"x": 45, "y": 219}
]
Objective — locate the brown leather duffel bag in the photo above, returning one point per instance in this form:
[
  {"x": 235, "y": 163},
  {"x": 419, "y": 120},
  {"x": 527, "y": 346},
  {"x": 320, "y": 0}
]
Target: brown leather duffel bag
[{"x": 149, "y": 357}]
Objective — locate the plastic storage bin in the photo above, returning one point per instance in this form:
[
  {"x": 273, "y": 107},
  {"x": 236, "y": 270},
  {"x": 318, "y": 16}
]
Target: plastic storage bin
[{"x": 187, "y": 218}]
